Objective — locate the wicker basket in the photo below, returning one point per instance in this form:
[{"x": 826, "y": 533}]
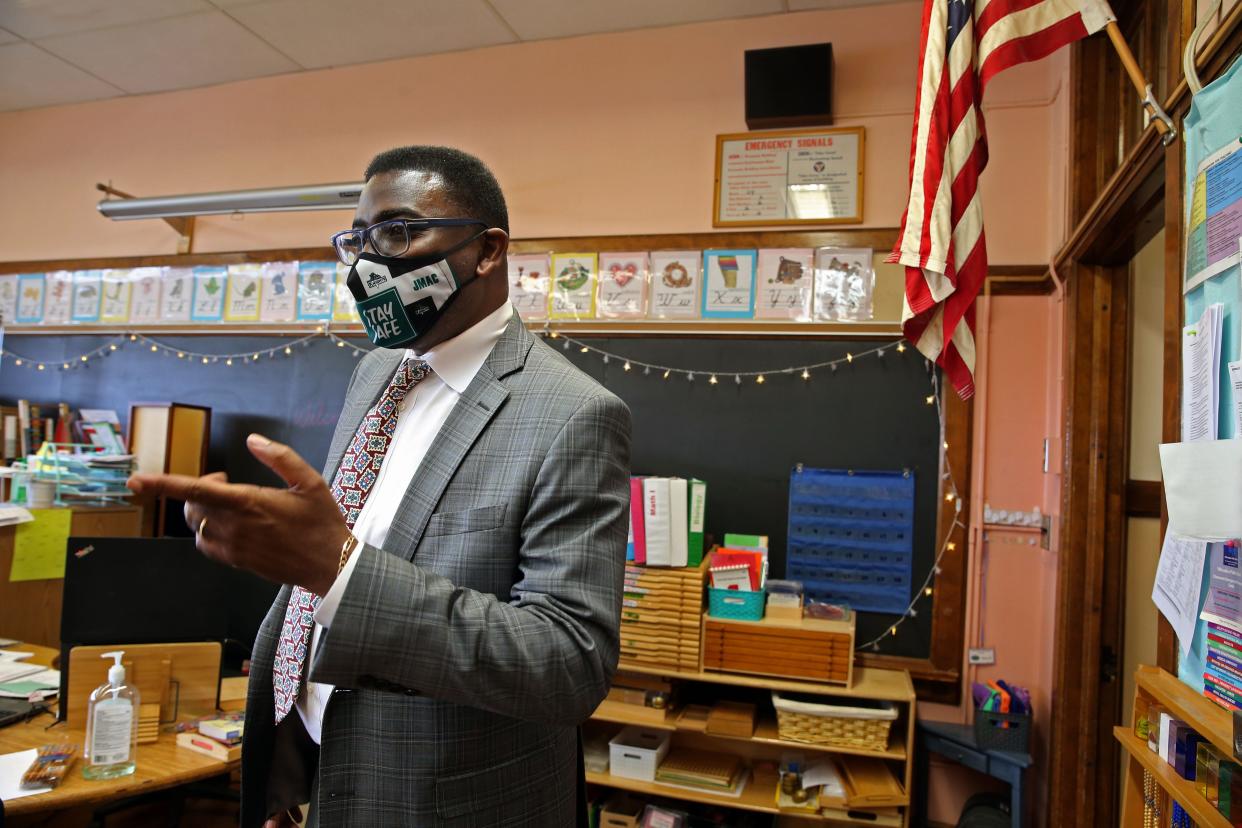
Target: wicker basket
[{"x": 834, "y": 725}]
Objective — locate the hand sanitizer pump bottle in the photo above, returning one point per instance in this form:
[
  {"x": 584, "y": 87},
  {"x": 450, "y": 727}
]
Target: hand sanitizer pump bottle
[{"x": 111, "y": 726}]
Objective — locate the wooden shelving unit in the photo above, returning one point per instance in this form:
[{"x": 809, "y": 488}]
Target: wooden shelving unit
[
  {"x": 876, "y": 684},
  {"x": 1211, "y": 722}
]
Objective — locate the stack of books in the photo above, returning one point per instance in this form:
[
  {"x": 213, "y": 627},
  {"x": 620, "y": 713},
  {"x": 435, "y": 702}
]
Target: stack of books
[
  {"x": 661, "y": 616},
  {"x": 218, "y": 738},
  {"x": 1222, "y": 670},
  {"x": 666, "y": 521},
  {"x": 712, "y": 771}
]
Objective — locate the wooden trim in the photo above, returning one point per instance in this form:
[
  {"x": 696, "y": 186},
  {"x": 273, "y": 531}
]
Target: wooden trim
[
  {"x": 1143, "y": 498},
  {"x": 939, "y": 676}
]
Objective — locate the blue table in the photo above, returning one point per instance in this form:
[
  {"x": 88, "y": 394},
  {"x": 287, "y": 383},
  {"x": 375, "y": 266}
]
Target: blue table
[{"x": 957, "y": 742}]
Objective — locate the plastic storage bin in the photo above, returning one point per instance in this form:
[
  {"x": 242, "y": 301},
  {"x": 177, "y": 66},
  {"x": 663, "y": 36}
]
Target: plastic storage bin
[
  {"x": 735, "y": 604},
  {"x": 636, "y": 752},
  {"x": 1003, "y": 731}
]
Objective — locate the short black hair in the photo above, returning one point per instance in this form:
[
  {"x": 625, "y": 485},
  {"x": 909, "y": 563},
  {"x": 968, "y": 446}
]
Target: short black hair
[{"x": 470, "y": 183}]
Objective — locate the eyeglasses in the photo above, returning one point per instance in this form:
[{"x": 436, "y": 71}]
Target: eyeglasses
[{"x": 389, "y": 238}]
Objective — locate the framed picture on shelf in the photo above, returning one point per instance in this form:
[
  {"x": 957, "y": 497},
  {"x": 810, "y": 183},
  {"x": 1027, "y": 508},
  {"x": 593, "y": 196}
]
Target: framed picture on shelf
[
  {"x": 144, "y": 299},
  {"x": 316, "y": 287},
  {"x": 31, "y": 288},
  {"x": 844, "y": 281},
  {"x": 622, "y": 286},
  {"x": 675, "y": 285},
  {"x": 785, "y": 284},
  {"x": 245, "y": 286},
  {"x": 114, "y": 309},
  {"x": 528, "y": 285},
  {"x": 573, "y": 286},
  {"x": 277, "y": 301},
  {"x": 728, "y": 284},
  {"x": 209, "y": 288},
  {"x": 176, "y": 294},
  {"x": 58, "y": 297},
  {"x": 87, "y": 286}
]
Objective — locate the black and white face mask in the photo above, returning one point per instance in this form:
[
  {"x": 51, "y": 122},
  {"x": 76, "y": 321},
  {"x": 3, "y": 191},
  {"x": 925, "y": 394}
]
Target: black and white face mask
[{"x": 400, "y": 298}]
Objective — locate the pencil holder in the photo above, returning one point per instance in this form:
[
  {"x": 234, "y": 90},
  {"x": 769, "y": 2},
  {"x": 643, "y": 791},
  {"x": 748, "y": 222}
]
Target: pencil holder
[{"x": 735, "y": 604}]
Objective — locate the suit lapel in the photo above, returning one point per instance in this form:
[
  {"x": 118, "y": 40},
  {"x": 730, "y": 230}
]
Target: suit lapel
[
  {"x": 474, "y": 410},
  {"x": 367, "y": 390}
]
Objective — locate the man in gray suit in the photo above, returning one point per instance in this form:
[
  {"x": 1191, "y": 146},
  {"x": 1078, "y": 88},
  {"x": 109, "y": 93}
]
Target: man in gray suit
[{"x": 453, "y": 596}]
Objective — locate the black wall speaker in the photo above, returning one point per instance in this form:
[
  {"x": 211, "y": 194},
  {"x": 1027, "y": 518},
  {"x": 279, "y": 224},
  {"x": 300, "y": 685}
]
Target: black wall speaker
[{"x": 789, "y": 86}]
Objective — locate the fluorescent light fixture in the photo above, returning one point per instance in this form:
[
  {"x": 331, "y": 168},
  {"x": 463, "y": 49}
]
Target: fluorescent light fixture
[{"x": 275, "y": 200}]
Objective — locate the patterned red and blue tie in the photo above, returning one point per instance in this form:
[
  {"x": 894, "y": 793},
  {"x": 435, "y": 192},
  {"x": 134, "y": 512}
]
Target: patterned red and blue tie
[{"x": 355, "y": 477}]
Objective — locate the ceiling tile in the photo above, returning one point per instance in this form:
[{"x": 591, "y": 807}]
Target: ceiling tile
[
  {"x": 174, "y": 53},
  {"x": 7, "y": 37},
  {"x": 30, "y": 77},
  {"x": 33, "y": 19},
  {"x": 318, "y": 33},
  {"x": 533, "y": 19}
]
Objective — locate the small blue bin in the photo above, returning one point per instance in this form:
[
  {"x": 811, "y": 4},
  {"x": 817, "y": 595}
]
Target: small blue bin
[{"x": 735, "y": 604}]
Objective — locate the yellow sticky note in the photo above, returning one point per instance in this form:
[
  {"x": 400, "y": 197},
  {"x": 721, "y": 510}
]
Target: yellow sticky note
[{"x": 39, "y": 548}]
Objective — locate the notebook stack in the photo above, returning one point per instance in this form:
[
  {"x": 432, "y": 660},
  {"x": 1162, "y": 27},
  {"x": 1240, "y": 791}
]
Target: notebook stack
[{"x": 661, "y": 616}]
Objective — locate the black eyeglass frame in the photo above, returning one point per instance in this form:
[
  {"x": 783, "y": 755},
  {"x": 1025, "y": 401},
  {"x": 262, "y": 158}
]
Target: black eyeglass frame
[{"x": 407, "y": 225}]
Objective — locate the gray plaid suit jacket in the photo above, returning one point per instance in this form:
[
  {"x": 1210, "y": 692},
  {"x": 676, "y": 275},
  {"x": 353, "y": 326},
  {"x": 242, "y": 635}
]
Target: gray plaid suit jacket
[{"x": 468, "y": 649}]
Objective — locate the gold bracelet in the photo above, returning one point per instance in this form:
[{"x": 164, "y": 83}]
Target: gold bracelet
[{"x": 347, "y": 549}]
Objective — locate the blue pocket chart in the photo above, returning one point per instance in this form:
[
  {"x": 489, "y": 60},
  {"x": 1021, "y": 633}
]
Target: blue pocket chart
[{"x": 851, "y": 537}]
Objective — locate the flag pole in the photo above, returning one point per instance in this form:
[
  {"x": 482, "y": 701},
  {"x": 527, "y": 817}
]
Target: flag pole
[{"x": 1164, "y": 124}]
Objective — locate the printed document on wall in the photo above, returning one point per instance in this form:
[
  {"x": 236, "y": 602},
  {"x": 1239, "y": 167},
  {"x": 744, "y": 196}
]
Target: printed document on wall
[
  {"x": 1179, "y": 577},
  {"x": 1215, "y": 216},
  {"x": 1201, "y": 375}
]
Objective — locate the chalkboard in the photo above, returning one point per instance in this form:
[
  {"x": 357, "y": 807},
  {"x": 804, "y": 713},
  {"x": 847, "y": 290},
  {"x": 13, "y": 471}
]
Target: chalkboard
[{"x": 744, "y": 440}]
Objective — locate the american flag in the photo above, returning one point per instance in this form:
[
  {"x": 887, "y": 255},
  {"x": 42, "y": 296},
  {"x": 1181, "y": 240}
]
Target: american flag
[{"x": 964, "y": 44}]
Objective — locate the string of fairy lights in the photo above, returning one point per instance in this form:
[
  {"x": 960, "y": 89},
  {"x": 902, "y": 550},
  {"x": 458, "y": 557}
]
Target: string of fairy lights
[{"x": 803, "y": 373}]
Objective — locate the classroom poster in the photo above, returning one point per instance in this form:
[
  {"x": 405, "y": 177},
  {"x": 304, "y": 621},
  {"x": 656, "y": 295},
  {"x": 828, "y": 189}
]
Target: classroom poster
[
  {"x": 528, "y": 285},
  {"x": 573, "y": 286},
  {"x": 1215, "y": 216},
  {"x": 87, "y": 285},
  {"x": 728, "y": 284},
  {"x": 241, "y": 302},
  {"x": 675, "y": 288},
  {"x": 30, "y": 291},
  {"x": 315, "y": 289},
  {"x": 58, "y": 298},
  {"x": 8, "y": 298},
  {"x": 114, "y": 309},
  {"x": 176, "y": 294},
  {"x": 844, "y": 280},
  {"x": 277, "y": 295},
  {"x": 207, "y": 302},
  {"x": 344, "y": 308},
  {"x": 785, "y": 284},
  {"x": 622, "y": 286},
  {"x": 144, "y": 298}
]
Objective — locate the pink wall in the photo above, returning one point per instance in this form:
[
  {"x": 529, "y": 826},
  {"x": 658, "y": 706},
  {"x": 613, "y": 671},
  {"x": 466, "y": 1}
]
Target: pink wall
[
  {"x": 1012, "y": 592},
  {"x": 603, "y": 134}
]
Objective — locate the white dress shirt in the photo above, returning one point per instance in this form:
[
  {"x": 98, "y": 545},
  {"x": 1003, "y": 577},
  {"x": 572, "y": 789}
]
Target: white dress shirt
[{"x": 454, "y": 364}]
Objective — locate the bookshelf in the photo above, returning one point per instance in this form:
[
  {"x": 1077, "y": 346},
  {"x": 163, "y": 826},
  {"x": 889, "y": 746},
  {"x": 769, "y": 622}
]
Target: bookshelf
[
  {"x": 1210, "y": 721},
  {"x": 876, "y": 684}
]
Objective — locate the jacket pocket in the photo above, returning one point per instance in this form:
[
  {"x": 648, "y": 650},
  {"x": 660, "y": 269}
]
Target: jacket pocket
[
  {"x": 473, "y": 794},
  {"x": 470, "y": 520}
]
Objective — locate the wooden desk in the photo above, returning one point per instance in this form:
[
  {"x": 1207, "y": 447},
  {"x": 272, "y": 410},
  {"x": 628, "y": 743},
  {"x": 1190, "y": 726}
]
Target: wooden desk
[
  {"x": 30, "y": 610},
  {"x": 161, "y": 765}
]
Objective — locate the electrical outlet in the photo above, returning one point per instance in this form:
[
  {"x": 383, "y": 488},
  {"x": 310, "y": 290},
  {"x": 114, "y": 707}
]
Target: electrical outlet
[{"x": 982, "y": 655}]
